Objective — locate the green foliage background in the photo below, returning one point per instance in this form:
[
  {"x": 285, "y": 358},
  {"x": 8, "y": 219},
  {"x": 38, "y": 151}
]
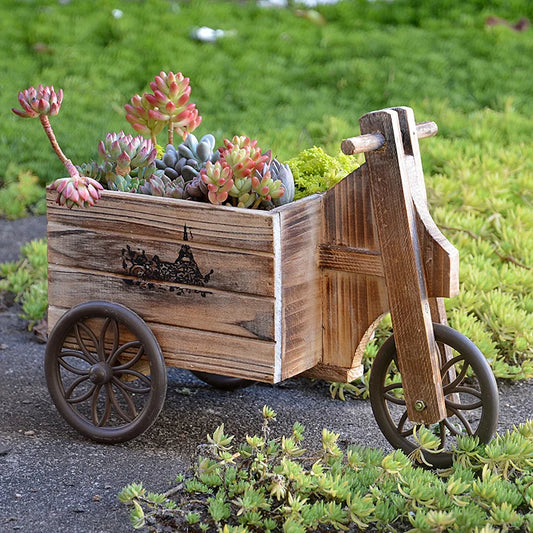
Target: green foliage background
[{"x": 293, "y": 84}]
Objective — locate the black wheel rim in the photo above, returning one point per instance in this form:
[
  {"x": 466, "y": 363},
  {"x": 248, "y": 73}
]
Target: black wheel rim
[
  {"x": 105, "y": 371},
  {"x": 470, "y": 392}
]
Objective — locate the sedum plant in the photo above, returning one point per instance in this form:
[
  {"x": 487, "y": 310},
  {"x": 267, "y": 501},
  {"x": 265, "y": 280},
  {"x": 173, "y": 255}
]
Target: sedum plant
[
  {"x": 44, "y": 102},
  {"x": 167, "y": 106},
  {"x": 273, "y": 484}
]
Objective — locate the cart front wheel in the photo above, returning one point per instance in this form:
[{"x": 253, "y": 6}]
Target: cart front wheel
[
  {"x": 470, "y": 392},
  {"x": 105, "y": 371},
  {"x": 221, "y": 382}
]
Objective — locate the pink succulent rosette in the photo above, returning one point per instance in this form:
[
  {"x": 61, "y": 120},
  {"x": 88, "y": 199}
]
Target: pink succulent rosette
[
  {"x": 41, "y": 101},
  {"x": 77, "y": 190}
]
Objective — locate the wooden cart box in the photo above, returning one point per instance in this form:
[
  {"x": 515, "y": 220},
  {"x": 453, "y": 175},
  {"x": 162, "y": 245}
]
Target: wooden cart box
[{"x": 225, "y": 290}]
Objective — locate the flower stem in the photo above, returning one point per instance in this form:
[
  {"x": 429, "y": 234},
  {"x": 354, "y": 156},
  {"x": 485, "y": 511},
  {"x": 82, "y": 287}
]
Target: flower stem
[
  {"x": 71, "y": 169},
  {"x": 170, "y": 134}
]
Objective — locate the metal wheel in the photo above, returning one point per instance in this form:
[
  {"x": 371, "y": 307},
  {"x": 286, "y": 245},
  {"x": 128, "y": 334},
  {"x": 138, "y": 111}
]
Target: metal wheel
[
  {"x": 222, "y": 382},
  {"x": 105, "y": 372},
  {"x": 470, "y": 392}
]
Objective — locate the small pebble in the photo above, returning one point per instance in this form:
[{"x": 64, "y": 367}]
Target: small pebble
[
  {"x": 3, "y": 346},
  {"x": 29, "y": 433},
  {"x": 97, "y": 498}
]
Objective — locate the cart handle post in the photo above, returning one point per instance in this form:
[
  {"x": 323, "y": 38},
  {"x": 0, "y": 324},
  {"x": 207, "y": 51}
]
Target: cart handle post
[{"x": 374, "y": 141}]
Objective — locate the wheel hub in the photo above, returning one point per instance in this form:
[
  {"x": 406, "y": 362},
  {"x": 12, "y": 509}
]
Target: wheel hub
[{"x": 100, "y": 373}]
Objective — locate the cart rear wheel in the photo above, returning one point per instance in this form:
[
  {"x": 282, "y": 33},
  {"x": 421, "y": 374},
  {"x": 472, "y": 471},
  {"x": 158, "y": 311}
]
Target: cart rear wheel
[
  {"x": 470, "y": 392},
  {"x": 219, "y": 381},
  {"x": 105, "y": 371}
]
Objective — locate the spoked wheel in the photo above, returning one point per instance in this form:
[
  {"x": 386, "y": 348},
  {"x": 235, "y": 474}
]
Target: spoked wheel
[
  {"x": 470, "y": 392},
  {"x": 105, "y": 372},
  {"x": 219, "y": 381}
]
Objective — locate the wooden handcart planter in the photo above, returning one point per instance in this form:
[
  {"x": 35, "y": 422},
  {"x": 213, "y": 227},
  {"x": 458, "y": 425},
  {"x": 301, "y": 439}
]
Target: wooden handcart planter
[{"x": 235, "y": 295}]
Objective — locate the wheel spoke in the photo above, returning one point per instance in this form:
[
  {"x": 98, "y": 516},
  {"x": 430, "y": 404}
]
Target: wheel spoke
[
  {"x": 401, "y": 424},
  {"x": 78, "y": 355},
  {"x": 82, "y": 397},
  {"x": 451, "y": 428},
  {"x": 460, "y": 377},
  {"x": 116, "y": 355},
  {"x": 130, "y": 372},
  {"x": 126, "y": 387},
  {"x": 101, "y": 341},
  {"x": 81, "y": 342},
  {"x": 463, "y": 420},
  {"x": 74, "y": 370},
  {"x": 107, "y": 409},
  {"x": 125, "y": 416},
  {"x": 94, "y": 405},
  {"x": 466, "y": 406}
]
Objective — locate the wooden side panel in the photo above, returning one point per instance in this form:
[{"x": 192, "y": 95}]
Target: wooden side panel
[
  {"x": 167, "y": 303},
  {"x": 138, "y": 216},
  {"x": 301, "y": 318},
  {"x": 241, "y": 271},
  {"x": 201, "y": 277},
  {"x": 353, "y": 288}
]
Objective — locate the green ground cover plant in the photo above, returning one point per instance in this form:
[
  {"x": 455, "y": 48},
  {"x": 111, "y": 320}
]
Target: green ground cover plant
[
  {"x": 269, "y": 483},
  {"x": 27, "y": 280}
]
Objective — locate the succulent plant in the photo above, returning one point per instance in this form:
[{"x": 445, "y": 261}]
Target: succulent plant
[
  {"x": 282, "y": 172},
  {"x": 75, "y": 190},
  {"x": 242, "y": 155},
  {"x": 189, "y": 157},
  {"x": 217, "y": 177},
  {"x": 162, "y": 185},
  {"x": 237, "y": 173},
  {"x": 128, "y": 162},
  {"x": 166, "y": 106}
]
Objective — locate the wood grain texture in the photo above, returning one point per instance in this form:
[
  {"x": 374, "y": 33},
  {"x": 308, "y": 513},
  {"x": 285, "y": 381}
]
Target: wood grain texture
[
  {"x": 207, "y": 351},
  {"x": 354, "y": 292},
  {"x": 403, "y": 267},
  {"x": 139, "y": 216},
  {"x": 301, "y": 319},
  {"x": 245, "y": 271}
]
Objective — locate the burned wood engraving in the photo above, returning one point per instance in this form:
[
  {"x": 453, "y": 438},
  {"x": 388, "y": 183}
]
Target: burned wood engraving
[{"x": 148, "y": 269}]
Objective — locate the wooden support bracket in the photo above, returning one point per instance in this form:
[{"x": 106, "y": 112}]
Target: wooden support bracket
[{"x": 396, "y": 218}]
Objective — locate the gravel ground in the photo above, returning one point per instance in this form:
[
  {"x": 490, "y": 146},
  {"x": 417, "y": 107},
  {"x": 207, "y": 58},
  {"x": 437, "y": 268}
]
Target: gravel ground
[{"x": 52, "y": 479}]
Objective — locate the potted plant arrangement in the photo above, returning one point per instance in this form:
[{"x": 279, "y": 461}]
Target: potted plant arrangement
[
  {"x": 237, "y": 174},
  {"x": 219, "y": 215}
]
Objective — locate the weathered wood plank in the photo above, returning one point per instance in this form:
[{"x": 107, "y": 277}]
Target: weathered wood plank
[
  {"x": 354, "y": 260},
  {"x": 207, "y": 351},
  {"x": 301, "y": 318},
  {"x": 335, "y": 373},
  {"x": 351, "y": 304},
  {"x": 402, "y": 264},
  {"x": 139, "y": 215},
  {"x": 227, "y": 269},
  {"x": 167, "y": 303}
]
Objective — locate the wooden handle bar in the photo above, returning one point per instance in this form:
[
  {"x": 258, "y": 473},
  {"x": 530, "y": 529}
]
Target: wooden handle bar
[{"x": 374, "y": 141}]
